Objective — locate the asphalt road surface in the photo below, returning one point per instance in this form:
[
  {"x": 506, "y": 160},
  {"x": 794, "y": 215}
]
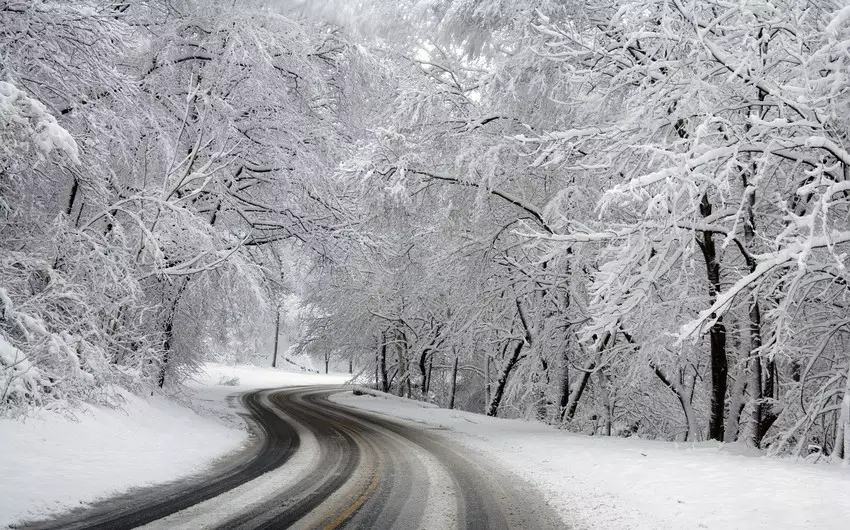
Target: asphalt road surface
[{"x": 318, "y": 464}]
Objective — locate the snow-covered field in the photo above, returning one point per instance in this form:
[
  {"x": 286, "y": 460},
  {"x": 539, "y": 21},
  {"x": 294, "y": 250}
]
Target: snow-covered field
[
  {"x": 50, "y": 463},
  {"x": 630, "y": 483}
]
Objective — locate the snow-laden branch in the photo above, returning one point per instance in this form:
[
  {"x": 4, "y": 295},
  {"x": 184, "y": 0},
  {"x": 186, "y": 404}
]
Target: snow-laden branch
[
  {"x": 535, "y": 212},
  {"x": 188, "y": 267},
  {"x": 766, "y": 264}
]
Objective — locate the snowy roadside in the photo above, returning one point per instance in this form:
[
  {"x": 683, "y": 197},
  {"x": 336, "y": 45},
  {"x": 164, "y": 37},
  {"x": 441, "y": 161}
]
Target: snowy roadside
[
  {"x": 630, "y": 483},
  {"x": 51, "y": 463},
  {"x": 214, "y": 390}
]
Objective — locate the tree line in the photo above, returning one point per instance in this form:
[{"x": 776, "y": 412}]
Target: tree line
[
  {"x": 623, "y": 218},
  {"x": 619, "y": 217}
]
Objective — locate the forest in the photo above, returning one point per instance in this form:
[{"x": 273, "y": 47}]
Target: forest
[{"x": 620, "y": 217}]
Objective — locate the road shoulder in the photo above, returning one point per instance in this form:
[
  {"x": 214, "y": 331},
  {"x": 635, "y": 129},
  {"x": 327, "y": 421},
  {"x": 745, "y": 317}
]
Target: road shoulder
[
  {"x": 52, "y": 463},
  {"x": 595, "y": 482}
]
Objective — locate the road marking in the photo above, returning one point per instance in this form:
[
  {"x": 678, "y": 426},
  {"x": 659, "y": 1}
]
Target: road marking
[{"x": 336, "y": 523}]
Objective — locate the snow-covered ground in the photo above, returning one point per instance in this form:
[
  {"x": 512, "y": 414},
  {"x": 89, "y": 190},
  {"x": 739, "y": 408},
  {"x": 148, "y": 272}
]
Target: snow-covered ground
[
  {"x": 629, "y": 483},
  {"x": 50, "y": 463}
]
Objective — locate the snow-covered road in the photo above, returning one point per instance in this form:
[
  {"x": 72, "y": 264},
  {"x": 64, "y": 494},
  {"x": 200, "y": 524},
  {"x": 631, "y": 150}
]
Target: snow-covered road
[
  {"x": 626, "y": 483},
  {"x": 357, "y": 470},
  {"x": 51, "y": 463},
  {"x": 372, "y": 460}
]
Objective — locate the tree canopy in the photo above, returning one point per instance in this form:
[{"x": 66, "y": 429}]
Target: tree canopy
[{"x": 621, "y": 217}]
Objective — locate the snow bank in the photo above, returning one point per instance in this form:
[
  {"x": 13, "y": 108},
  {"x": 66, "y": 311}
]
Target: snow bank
[
  {"x": 630, "y": 483},
  {"x": 50, "y": 463},
  {"x": 246, "y": 377}
]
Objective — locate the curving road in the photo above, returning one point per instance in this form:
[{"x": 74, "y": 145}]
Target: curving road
[{"x": 318, "y": 464}]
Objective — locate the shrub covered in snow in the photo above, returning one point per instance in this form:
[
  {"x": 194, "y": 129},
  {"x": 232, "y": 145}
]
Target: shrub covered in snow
[{"x": 228, "y": 380}]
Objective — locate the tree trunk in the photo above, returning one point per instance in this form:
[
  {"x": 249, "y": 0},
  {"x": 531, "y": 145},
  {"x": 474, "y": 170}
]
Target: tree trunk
[
  {"x": 385, "y": 384},
  {"x": 607, "y": 402},
  {"x": 542, "y": 401},
  {"x": 502, "y": 381},
  {"x": 717, "y": 334},
  {"x": 423, "y": 374},
  {"x": 564, "y": 398},
  {"x": 693, "y": 434},
  {"x": 575, "y": 396},
  {"x": 454, "y": 384},
  {"x": 841, "y": 445},
  {"x": 765, "y": 409},
  {"x": 736, "y": 404},
  {"x": 719, "y": 369},
  {"x": 75, "y": 186},
  {"x": 402, "y": 360},
  {"x": 763, "y": 376},
  {"x": 276, "y": 335},
  {"x": 168, "y": 331},
  {"x": 486, "y": 381},
  {"x": 402, "y": 380},
  {"x": 430, "y": 372}
]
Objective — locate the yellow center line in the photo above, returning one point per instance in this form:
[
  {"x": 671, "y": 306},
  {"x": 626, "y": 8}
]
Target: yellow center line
[
  {"x": 336, "y": 523},
  {"x": 373, "y": 485}
]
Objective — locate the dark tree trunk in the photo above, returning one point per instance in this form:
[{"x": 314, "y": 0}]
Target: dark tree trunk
[
  {"x": 377, "y": 362},
  {"x": 564, "y": 399},
  {"x": 717, "y": 334},
  {"x": 575, "y": 396},
  {"x": 501, "y": 383},
  {"x": 763, "y": 376},
  {"x": 499, "y": 391},
  {"x": 487, "y": 388},
  {"x": 276, "y": 335},
  {"x": 543, "y": 402},
  {"x": 603, "y": 384},
  {"x": 402, "y": 361},
  {"x": 693, "y": 433},
  {"x": 423, "y": 374},
  {"x": 426, "y": 360},
  {"x": 73, "y": 197},
  {"x": 168, "y": 331},
  {"x": 719, "y": 372},
  {"x": 762, "y": 379},
  {"x": 166, "y": 346},
  {"x": 79, "y": 214},
  {"x": 430, "y": 371},
  {"x": 454, "y": 384},
  {"x": 385, "y": 384}
]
